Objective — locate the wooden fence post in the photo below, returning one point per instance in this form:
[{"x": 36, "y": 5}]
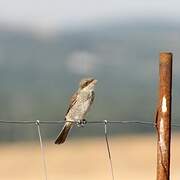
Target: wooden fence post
[{"x": 163, "y": 116}]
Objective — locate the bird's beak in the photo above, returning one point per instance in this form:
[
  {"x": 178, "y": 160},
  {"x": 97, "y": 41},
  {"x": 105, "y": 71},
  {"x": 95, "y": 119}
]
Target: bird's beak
[{"x": 95, "y": 81}]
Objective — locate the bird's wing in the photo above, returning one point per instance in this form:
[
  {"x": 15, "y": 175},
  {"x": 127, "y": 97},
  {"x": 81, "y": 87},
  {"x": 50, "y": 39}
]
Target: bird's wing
[
  {"x": 92, "y": 97},
  {"x": 73, "y": 101}
]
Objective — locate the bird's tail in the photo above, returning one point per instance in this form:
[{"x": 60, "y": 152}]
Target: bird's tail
[{"x": 64, "y": 132}]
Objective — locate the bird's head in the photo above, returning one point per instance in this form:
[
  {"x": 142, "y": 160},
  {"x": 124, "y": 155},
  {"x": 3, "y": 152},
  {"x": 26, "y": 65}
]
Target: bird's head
[{"x": 87, "y": 83}]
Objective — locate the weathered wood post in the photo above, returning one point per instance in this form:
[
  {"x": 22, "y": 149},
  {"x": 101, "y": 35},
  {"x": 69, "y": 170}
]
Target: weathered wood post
[{"x": 163, "y": 116}]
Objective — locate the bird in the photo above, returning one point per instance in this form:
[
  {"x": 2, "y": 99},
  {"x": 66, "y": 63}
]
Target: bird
[{"x": 80, "y": 104}]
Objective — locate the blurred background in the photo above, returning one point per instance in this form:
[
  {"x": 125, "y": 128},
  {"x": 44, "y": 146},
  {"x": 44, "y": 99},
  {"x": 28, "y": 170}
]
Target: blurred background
[{"x": 46, "y": 47}]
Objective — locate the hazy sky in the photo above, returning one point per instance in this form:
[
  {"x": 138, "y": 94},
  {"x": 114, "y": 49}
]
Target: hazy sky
[{"x": 52, "y": 14}]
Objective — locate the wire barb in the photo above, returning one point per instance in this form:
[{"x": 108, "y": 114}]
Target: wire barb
[
  {"x": 31, "y": 122},
  {"x": 42, "y": 150},
  {"x": 108, "y": 148}
]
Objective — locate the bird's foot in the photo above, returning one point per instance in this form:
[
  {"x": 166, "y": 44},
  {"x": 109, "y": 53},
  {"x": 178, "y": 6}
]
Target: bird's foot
[{"x": 81, "y": 123}]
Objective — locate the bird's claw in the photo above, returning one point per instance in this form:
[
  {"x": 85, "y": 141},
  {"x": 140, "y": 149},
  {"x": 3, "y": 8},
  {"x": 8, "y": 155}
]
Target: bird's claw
[{"x": 81, "y": 123}]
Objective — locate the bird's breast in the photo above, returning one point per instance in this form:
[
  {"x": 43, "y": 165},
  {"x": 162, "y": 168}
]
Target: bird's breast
[{"x": 80, "y": 108}]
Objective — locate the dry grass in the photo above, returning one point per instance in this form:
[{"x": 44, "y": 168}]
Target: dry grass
[{"x": 134, "y": 157}]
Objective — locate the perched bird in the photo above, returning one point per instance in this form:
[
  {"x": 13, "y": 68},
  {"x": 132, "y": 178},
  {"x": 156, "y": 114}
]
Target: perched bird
[{"x": 80, "y": 103}]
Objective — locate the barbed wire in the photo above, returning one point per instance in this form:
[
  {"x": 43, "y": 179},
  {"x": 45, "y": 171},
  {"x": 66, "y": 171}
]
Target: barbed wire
[{"x": 88, "y": 122}]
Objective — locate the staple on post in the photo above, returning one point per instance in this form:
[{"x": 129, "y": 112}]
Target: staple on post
[{"x": 163, "y": 116}]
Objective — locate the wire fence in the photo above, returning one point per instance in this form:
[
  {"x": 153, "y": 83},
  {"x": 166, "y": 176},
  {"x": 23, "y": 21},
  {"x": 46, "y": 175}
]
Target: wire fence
[
  {"x": 106, "y": 123},
  {"x": 23, "y": 122}
]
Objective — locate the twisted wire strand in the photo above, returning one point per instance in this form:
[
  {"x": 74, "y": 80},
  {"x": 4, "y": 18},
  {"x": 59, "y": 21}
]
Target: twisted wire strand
[
  {"x": 61, "y": 122},
  {"x": 31, "y": 122},
  {"x": 108, "y": 148},
  {"x": 42, "y": 150}
]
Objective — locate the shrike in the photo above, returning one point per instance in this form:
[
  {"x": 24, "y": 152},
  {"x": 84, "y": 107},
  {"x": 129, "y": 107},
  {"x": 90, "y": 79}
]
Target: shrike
[{"x": 80, "y": 103}]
